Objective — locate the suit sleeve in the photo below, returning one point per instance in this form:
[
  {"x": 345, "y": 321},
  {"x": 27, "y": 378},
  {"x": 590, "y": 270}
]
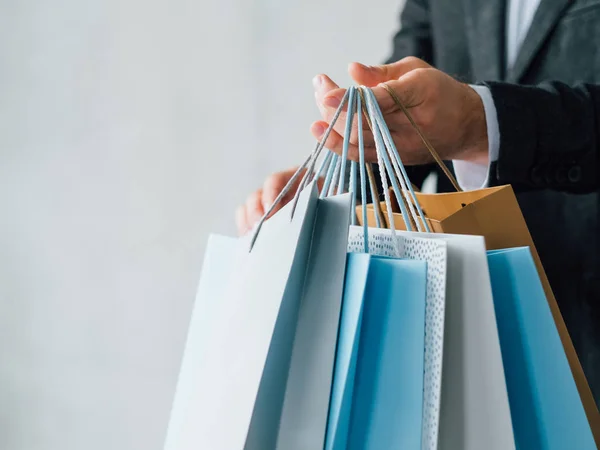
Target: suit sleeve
[{"x": 549, "y": 136}]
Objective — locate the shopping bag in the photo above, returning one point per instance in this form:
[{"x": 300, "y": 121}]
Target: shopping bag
[
  {"x": 545, "y": 404},
  {"x": 249, "y": 340},
  {"x": 433, "y": 252},
  {"x": 357, "y": 270},
  {"x": 474, "y": 404},
  {"x": 304, "y": 416},
  {"x": 377, "y": 400},
  {"x": 493, "y": 213},
  {"x": 468, "y": 419},
  {"x": 220, "y": 252}
]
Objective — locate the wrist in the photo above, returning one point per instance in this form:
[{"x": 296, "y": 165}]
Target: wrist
[{"x": 475, "y": 143}]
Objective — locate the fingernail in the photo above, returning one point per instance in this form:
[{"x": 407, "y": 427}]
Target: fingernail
[
  {"x": 317, "y": 81},
  {"x": 333, "y": 102},
  {"x": 320, "y": 129}
]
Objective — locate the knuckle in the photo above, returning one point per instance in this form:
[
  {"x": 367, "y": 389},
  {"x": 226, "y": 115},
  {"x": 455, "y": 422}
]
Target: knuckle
[
  {"x": 420, "y": 72},
  {"x": 410, "y": 60}
]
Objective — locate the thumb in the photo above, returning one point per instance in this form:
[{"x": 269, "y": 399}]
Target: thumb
[{"x": 373, "y": 75}]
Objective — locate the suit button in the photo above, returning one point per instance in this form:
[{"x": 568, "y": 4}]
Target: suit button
[
  {"x": 561, "y": 175},
  {"x": 574, "y": 174},
  {"x": 537, "y": 175}
]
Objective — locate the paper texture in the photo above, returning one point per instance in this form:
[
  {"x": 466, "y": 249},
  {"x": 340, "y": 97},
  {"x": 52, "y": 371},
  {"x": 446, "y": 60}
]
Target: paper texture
[
  {"x": 216, "y": 271},
  {"x": 342, "y": 393},
  {"x": 388, "y": 394},
  {"x": 474, "y": 404},
  {"x": 546, "y": 408},
  {"x": 377, "y": 400},
  {"x": 306, "y": 405},
  {"x": 258, "y": 306},
  {"x": 495, "y": 214},
  {"x": 434, "y": 253}
]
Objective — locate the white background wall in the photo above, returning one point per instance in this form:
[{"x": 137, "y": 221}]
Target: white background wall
[{"x": 129, "y": 130}]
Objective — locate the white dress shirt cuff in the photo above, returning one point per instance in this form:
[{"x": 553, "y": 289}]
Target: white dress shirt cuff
[{"x": 476, "y": 176}]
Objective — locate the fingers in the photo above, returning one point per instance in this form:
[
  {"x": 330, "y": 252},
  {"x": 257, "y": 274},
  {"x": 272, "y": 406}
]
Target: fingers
[
  {"x": 273, "y": 186},
  {"x": 335, "y": 143},
  {"x": 323, "y": 84},
  {"x": 247, "y": 215},
  {"x": 335, "y": 139},
  {"x": 373, "y": 75},
  {"x": 325, "y": 88},
  {"x": 252, "y": 212},
  {"x": 406, "y": 74}
]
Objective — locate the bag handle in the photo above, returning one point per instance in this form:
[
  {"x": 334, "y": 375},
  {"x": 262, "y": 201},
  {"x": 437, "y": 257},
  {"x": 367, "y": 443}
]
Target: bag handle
[
  {"x": 390, "y": 163},
  {"x": 388, "y": 158},
  {"x": 406, "y": 195},
  {"x": 308, "y": 164},
  {"x": 425, "y": 141}
]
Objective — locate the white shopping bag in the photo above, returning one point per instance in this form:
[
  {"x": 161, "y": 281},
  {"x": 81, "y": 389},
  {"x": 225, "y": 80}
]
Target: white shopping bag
[
  {"x": 214, "y": 406},
  {"x": 306, "y": 405},
  {"x": 474, "y": 413},
  {"x": 216, "y": 270}
]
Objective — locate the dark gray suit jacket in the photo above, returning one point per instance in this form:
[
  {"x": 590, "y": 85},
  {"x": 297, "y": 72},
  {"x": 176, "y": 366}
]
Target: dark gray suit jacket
[{"x": 549, "y": 117}]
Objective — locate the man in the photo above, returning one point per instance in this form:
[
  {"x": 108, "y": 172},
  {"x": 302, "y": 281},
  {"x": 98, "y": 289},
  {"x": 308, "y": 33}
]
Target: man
[{"x": 533, "y": 123}]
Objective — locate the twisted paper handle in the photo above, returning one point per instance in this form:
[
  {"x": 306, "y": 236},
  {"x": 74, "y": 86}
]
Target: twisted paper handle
[
  {"x": 361, "y": 100},
  {"x": 425, "y": 141}
]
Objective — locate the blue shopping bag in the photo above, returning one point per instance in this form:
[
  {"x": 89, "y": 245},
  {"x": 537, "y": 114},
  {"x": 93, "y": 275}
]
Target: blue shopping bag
[
  {"x": 546, "y": 408},
  {"x": 377, "y": 396}
]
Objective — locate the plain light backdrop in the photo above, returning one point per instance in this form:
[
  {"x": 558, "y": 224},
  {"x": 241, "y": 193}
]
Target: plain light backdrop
[{"x": 129, "y": 130}]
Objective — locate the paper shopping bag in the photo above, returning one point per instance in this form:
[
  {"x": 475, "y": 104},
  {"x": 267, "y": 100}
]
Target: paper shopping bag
[
  {"x": 306, "y": 404},
  {"x": 475, "y": 411},
  {"x": 248, "y": 342},
  {"x": 216, "y": 271},
  {"x": 377, "y": 400},
  {"x": 357, "y": 271},
  {"x": 434, "y": 253},
  {"x": 546, "y": 408},
  {"x": 495, "y": 214}
]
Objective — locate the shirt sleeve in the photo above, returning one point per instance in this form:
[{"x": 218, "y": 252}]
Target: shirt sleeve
[{"x": 470, "y": 175}]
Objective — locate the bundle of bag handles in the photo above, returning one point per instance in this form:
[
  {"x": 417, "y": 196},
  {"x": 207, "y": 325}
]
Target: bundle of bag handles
[{"x": 333, "y": 167}]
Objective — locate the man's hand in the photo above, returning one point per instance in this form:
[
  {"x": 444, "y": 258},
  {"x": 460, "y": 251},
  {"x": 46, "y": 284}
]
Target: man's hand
[
  {"x": 449, "y": 113},
  {"x": 261, "y": 200}
]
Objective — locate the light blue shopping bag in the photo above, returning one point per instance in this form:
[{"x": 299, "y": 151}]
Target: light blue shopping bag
[
  {"x": 546, "y": 408},
  {"x": 377, "y": 396}
]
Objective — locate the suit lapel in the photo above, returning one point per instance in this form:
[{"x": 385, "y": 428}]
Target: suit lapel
[
  {"x": 485, "y": 24},
  {"x": 543, "y": 22}
]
